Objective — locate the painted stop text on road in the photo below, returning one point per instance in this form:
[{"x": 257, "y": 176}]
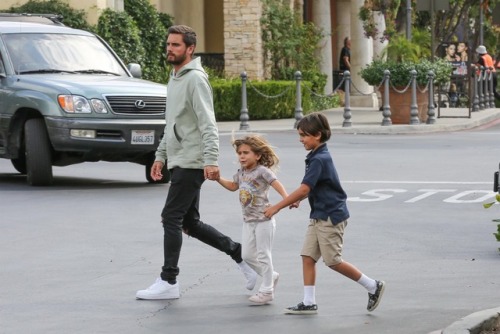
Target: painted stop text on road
[{"x": 447, "y": 192}]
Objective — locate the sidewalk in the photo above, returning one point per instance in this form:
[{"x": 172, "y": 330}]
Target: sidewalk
[{"x": 368, "y": 121}]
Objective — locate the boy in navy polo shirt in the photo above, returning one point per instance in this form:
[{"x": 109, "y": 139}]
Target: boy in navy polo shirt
[{"x": 328, "y": 217}]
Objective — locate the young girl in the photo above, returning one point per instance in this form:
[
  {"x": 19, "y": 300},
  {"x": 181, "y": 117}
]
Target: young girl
[
  {"x": 328, "y": 217},
  {"x": 253, "y": 179}
]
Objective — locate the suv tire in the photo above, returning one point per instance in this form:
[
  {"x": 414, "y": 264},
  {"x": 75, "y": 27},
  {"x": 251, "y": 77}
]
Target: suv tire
[
  {"x": 20, "y": 162},
  {"x": 38, "y": 153}
]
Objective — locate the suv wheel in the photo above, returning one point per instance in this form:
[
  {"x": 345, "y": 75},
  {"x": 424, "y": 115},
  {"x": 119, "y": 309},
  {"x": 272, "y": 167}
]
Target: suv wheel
[
  {"x": 164, "y": 171},
  {"x": 38, "y": 153}
]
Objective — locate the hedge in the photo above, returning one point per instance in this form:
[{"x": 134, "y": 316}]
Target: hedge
[{"x": 228, "y": 99}]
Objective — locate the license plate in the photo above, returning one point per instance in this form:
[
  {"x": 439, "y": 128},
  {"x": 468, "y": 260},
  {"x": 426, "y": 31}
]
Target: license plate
[{"x": 143, "y": 137}]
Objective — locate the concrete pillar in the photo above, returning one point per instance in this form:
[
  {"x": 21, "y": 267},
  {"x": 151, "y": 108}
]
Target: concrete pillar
[
  {"x": 116, "y": 5},
  {"x": 322, "y": 19},
  {"x": 361, "y": 55},
  {"x": 343, "y": 28}
]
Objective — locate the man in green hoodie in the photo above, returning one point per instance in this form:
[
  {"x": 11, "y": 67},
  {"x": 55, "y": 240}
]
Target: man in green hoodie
[{"x": 190, "y": 144}]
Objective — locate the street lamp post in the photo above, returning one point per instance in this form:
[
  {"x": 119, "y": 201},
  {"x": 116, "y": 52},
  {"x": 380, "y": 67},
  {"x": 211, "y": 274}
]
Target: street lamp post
[
  {"x": 481, "y": 19},
  {"x": 408, "y": 20}
]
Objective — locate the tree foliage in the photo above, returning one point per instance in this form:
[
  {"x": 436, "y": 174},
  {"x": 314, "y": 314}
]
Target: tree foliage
[
  {"x": 461, "y": 23},
  {"x": 71, "y": 17},
  {"x": 153, "y": 36},
  {"x": 290, "y": 45},
  {"x": 120, "y": 31}
]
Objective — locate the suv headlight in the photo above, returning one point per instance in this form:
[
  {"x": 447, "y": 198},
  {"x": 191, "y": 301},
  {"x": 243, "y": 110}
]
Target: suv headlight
[
  {"x": 74, "y": 104},
  {"x": 99, "y": 106}
]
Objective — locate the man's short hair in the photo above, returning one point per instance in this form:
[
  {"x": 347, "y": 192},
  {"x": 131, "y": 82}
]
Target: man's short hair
[{"x": 188, "y": 34}]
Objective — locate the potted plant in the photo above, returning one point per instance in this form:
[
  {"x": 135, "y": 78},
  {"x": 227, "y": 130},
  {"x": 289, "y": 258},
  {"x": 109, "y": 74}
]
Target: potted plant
[{"x": 404, "y": 56}]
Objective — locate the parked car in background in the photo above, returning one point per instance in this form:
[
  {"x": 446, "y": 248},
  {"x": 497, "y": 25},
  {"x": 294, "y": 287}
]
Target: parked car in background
[{"x": 67, "y": 98}]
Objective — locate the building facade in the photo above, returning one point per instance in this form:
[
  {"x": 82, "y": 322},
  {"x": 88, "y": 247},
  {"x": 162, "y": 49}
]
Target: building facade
[{"x": 231, "y": 28}]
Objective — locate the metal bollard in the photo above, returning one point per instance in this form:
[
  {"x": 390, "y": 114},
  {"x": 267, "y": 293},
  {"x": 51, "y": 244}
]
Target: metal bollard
[
  {"x": 298, "y": 99},
  {"x": 431, "y": 114},
  {"x": 480, "y": 83},
  {"x": 475, "y": 101},
  {"x": 347, "y": 108},
  {"x": 386, "y": 111},
  {"x": 492, "y": 93},
  {"x": 244, "y": 108},
  {"x": 414, "y": 107},
  {"x": 487, "y": 95}
]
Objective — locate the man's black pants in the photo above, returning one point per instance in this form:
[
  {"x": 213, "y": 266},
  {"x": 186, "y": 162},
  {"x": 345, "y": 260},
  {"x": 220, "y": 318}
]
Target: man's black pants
[{"x": 181, "y": 212}]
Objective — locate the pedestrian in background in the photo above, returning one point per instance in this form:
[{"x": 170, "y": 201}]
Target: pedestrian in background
[
  {"x": 257, "y": 160},
  {"x": 191, "y": 146},
  {"x": 486, "y": 61},
  {"x": 328, "y": 217},
  {"x": 345, "y": 56}
]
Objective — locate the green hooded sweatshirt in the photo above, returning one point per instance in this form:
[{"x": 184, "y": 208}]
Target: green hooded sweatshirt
[{"x": 191, "y": 138}]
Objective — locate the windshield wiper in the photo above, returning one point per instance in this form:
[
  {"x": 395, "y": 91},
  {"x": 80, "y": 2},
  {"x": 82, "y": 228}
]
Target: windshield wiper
[
  {"x": 94, "y": 71},
  {"x": 45, "y": 70}
]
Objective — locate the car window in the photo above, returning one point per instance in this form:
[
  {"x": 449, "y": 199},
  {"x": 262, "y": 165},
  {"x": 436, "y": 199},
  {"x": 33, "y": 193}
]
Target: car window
[{"x": 60, "y": 52}]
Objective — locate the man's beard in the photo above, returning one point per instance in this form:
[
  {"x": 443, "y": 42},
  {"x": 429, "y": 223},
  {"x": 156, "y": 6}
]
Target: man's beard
[{"x": 177, "y": 60}]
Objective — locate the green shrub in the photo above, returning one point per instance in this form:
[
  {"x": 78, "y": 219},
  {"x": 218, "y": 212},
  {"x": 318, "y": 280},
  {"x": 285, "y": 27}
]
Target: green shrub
[
  {"x": 71, "y": 17},
  {"x": 373, "y": 73},
  {"x": 119, "y": 30},
  {"x": 153, "y": 37},
  {"x": 290, "y": 44},
  {"x": 227, "y": 99}
]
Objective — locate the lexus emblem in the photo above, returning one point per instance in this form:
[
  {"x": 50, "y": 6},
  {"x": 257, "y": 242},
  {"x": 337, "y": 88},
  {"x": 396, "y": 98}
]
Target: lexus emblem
[{"x": 140, "y": 104}]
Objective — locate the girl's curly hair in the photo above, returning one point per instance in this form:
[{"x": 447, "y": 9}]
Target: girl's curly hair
[{"x": 259, "y": 146}]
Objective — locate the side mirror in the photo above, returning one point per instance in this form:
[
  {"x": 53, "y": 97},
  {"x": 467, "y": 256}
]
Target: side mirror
[{"x": 135, "y": 70}]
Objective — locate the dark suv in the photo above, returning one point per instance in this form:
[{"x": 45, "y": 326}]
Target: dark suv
[{"x": 66, "y": 98}]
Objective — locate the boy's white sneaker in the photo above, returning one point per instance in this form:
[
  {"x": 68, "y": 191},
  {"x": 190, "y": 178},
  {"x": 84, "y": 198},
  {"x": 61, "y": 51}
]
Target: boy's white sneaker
[
  {"x": 249, "y": 273},
  {"x": 160, "y": 289}
]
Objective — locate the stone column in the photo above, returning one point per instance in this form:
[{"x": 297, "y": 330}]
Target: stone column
[
  {"x": 116, "y": 5},
  {"x": 243, "y": 38},
  {"x": 343, "y": 28},
  {"x": 361, "y": 55},
  {"x": 322, "y": 19}
]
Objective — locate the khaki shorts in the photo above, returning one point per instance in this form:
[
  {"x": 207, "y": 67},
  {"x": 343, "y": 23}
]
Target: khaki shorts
[{"x": 323, "y": 239}]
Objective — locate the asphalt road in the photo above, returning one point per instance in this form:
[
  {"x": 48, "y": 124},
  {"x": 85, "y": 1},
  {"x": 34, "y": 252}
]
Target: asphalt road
[{"x": 74, "y": 254}]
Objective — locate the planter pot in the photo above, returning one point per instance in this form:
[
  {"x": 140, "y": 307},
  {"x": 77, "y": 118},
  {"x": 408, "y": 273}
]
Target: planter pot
[{"x": 401, "y": 105}]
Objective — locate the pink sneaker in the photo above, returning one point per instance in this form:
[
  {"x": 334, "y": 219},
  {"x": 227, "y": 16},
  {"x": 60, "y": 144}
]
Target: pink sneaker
[{"x": 261, "y": 298}]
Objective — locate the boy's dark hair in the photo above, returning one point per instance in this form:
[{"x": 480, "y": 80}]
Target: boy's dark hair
[
  {"x": 188, "y": 34},
  {"x": 315, "y": 123}
]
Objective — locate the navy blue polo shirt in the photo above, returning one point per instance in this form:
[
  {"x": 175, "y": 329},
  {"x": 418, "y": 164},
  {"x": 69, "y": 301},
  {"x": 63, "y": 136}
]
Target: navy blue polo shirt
[{"x": 326, "y": 198}]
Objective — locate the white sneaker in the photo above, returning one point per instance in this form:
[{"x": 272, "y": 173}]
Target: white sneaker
[
  {"x": 261, "y": 298},
  {"x": 250, "y": 274},
  {"x": 160, "y": 290},
  {"x": 276, "y": 277}
]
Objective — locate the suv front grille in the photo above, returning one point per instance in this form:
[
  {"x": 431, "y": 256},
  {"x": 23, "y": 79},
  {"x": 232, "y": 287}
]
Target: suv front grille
[{"x": 137, "y": 105}]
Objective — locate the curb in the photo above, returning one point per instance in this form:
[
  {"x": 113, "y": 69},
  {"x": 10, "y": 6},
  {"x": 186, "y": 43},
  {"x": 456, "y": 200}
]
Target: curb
[
  {"x": 475, "y": 322},
  {"x": 367, "y": 124},
  {"x": 420, "y": 128}
]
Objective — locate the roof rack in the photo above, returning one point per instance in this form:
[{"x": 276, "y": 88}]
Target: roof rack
[{"x": 37, "y": 18}]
